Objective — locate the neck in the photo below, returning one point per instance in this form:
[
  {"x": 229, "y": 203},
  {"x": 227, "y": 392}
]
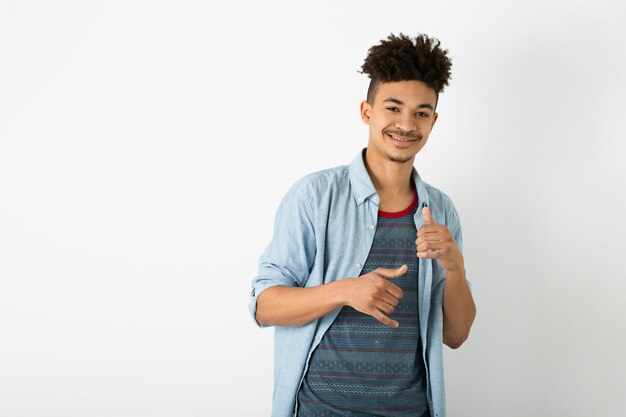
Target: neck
[{"x": 390, "y": 178}]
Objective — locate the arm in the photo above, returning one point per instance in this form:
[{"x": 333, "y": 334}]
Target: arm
[
  {"x": 370, "y": 294},
  {"x": 459, "y": 310},
  {"x": 435, "y": 241},
  {"x": 279, "y": 293},
  {"x": 293, "y": 306}
]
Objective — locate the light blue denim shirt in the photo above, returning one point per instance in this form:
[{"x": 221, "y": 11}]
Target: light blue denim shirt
[{"x": 323, "y": 231}]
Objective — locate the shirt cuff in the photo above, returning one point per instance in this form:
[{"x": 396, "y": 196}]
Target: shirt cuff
[{"x": 257, "y": 290}]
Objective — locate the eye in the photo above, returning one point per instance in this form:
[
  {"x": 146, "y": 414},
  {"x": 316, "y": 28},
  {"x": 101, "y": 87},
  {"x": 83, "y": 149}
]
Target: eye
[
  {"x": 422, "y": 114},
  {"x": 392, "y": 109}
]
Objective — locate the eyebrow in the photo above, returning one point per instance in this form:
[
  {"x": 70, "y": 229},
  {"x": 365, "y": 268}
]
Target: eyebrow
[{"x": 420, "y": 106}]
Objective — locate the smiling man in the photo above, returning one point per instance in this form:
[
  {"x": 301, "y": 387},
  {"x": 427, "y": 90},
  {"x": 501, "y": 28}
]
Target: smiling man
[{"x": 364, "y": 279}]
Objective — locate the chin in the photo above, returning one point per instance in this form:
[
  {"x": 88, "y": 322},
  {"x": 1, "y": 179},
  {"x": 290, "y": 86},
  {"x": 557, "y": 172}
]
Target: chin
[{"x": 400, "y": 159}]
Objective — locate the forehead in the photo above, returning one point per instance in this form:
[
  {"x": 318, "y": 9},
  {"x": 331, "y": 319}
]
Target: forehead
[{"x": 409, "y": 92}]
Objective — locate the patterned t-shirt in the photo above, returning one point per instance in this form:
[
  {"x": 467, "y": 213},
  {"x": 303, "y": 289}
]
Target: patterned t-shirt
[{"x": 362, "y": 367}]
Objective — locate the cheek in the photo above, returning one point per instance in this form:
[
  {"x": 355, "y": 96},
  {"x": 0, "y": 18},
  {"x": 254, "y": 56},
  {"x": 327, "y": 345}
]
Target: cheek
[{"x": 382, "y": 124}]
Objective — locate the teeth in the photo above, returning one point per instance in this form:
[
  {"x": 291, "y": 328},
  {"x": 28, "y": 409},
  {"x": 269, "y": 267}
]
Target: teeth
[{"x": 401, "y": 140}]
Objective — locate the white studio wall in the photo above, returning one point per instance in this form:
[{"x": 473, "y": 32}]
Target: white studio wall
[{"x": 145, "y": 147}]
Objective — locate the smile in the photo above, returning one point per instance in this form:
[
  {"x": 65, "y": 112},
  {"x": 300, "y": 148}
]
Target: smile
[{"x": 400, "y": 138}]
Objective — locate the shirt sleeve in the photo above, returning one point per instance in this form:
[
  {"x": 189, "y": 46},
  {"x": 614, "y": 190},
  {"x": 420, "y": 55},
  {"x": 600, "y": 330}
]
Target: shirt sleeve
[
  {"x": 289, "y": 256},
  {"x": 454, "y": 224}
]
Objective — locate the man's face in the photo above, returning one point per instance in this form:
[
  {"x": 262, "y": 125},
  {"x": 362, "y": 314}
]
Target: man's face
[{"x": 400, "y": 119}]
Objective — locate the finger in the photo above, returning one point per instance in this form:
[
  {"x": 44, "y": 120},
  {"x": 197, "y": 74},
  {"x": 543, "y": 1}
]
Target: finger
[
  {"x": 394, "y": 290},
  {"x": 428, "y": 217},
  {"x": 384, "y": 307},
  {"x": 430, "y": 228},
  {"x": 390, "y": 299},
  {"x": 430, "y": 244},
  {"x": 428, "y": 255},
  {"x": 429, "y": 237},
  {"x": 384, "y": 319},
  {"x": 392, "y": 272}
]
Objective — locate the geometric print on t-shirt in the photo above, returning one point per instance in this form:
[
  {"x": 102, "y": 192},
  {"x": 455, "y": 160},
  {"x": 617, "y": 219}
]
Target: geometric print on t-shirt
[{"x": 362, "y": 367}]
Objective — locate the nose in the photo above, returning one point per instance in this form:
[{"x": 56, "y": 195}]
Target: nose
[{"x": 406, "y": 123}]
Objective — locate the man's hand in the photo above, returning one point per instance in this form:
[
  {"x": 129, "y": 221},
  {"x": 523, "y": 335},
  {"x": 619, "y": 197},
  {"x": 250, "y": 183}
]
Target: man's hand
[
  {"x": 373, "y": 294},
  {"x": 438, "y": 238}
]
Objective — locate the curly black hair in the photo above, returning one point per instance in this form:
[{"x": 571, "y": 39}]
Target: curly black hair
[{"x": 399, "y": 58}]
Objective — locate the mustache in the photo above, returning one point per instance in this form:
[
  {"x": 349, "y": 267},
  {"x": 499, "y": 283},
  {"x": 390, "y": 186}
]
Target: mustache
[{"x": 403, "y": 134}]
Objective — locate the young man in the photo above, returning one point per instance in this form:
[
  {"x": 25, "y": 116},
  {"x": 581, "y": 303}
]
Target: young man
[{"x": 364, "y": 278}]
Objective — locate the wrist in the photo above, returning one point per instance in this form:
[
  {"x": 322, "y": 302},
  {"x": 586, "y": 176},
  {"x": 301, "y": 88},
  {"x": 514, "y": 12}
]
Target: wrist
[
  {"x": 456, "y": 274},
  {"x": 342, "y": 291}
]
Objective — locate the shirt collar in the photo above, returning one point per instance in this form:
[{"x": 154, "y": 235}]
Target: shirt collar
[{"x": 363, "y": 188}]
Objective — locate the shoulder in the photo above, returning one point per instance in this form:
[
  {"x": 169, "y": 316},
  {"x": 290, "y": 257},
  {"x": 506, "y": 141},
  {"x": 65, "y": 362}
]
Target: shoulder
[
  {"x": 438, "y": 197},
  {"x": 312, "y": 193},
  {"x": 320, "y": 182}
]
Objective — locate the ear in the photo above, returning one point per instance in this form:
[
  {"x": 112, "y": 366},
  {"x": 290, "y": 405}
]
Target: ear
[
  {"x": 435, "y": 116},
  {"x": 365, "y": 112}
]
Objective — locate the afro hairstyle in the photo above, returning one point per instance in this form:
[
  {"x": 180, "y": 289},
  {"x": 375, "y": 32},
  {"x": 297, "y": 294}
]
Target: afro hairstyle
[{"x": 400, "y": 58}]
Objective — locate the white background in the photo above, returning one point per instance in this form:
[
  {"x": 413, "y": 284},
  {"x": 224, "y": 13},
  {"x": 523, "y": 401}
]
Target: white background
[{"x": 145, "y": 146}]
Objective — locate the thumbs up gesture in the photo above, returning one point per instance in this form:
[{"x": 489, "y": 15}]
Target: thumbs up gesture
[{"x": 436, "y": 242}]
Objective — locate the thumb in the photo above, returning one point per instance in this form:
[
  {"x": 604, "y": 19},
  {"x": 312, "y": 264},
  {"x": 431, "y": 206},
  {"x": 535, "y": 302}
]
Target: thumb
[
  {"x": 428, "y": 217},
  {"x": 392, "y": 272}
]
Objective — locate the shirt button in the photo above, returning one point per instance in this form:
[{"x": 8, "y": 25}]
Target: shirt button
[
  {"x": 375, "y": 199},
  {"x": 358, "y": 265},
  {"x": 372, "y": 227}
]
